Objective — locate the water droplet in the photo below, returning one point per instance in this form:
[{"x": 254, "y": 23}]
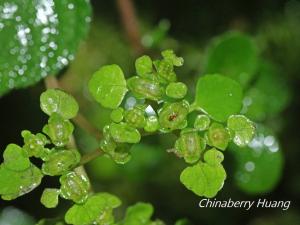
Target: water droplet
[{"x": 249, "y": 166}]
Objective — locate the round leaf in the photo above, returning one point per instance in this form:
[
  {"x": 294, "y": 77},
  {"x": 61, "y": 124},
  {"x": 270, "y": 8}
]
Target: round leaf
[
  {"x": 219, "y": 96},
  {"x": 39, "y": 38},
  {"x": 242, "y": 128},
  {"x": 18, "y": 183},
  {"x": 234, "y": 55},
  {"x": 108, "y": 86},
  {"x": 54, "y": 100},
  {"x": 50, "y": 197},
  {"x": 96, "y": 210},
  {"x": 15, "y": 158},
  {"x": 204, "y": 179},
  {"x": 258, "y": 167}
]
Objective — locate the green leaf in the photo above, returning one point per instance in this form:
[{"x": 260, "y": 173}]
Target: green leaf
[
  {"x": 59, "y": 130},
  {"x": 60, "y": 161},
  {"x": 183, "y": 222},
  {"x": 50, "y": 197},
  {"x": 264, "y": 100},
  {"x": 74, "y": 187},
  {"x": 57, "y": 101},
  {"x": 117, "y": 115},
  {"x": 138, "y": 214},
  {"x": 135, "y": 117},
  {"x": 172, "y": 116},
  {"x": 96, "y": 210},
  {"x": 213, "y": 157},
  {"x": 15, "y": 158},
  {"x": 242, "y": 128},
  {"x": 258, "y": 166},
  {"x": 39, "y": 38},
  {"x": 108, "y": 86},
  {"x": 145, "y": 88},
  {"x": 169, "y": 55},
  {"x": 204, "y": 179},
  {"x": 218, "y": 96},
  {"x": 176, "y": 90},
  {"x": 123, "y": 133},
  {"x": 217, "y": 136},
  {"x": 18, "y": 183},
  {"x": 234, "y": 55},
  {"x": 189, "y": 145},
  {"x": 143, "y": 66},
  {"x": 34, "y": 145},
  {"x": 202, "y": 122},
  {"x": 152, "y": 124}
]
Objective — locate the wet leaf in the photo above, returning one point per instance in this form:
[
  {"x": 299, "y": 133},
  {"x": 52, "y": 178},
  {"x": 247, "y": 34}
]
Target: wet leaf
[
  {"x": 117, "y": 115},
  {"x": 138, "y": 214},
  {"x": 143, "y": 66},
  {"x": 123, "y": 133},
  {"x": 242, "y": 128},
  {"x": 15, "y": 158},
  {"x": 59, "y": 130},
  {"x": 217, "y": 136},
  {"x": 74, "y": 187},
  {"x": 34, "y": 144},
  {"x": 96, "y": 210},
  {"x": 18, "y": 183},
  {"x": 57, "y": 101},
  {"x": 204, "y": 179},
  {"x": 145, "y": 88},
  {"x": 39, "y": 38},
  {"x": 60, "y": 161},
  {"x": 218, "y": 96},
  {"x": 108, "y": 86},
  {"x": 152, "y": 124},
  {"x": 235, "y": 55},
  {"x": 190, "y": 145},
  {"x": 50, "y": 197},
  {"x": 170, "y": 56},
  {"x": 176, "y": 90},
  {"x": 172, "y": 116},
  {"x": 135, "y": 117},
  {"x": 202, "y": 122}
]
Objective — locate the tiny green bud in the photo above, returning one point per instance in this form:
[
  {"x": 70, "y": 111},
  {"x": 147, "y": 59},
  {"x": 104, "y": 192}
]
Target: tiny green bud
[
  {"x": 143, "y": 66},
  {"x": 176, "y": 90},
  {"x": 202, "y": 122},
  {"x": 190, "y": 146},
  {"x": 60, "y": 161},
  {"x": 152, "y": 124},
  {"x": 58, "y": 129},
  {"x": 218, "y": 136},
  {"x": 117, "y": 115},
  {"x": 135, "y": 117},
  {"x": 173, "y": 116},
  {"x": 144, "y": 88},
  {"x": 50, "y": 197},
  {"x": 123, "y": 133},
  {"x": 169, "y": 55},
  {"x": 34, "y": 145},
  {"x": 74, "y": 187}
]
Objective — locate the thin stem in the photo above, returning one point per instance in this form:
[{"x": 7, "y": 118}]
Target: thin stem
[
  {"x": 130, "y": 24},
  {"x": 91, "y": 156},
  {"x": 79, "y": 120}
]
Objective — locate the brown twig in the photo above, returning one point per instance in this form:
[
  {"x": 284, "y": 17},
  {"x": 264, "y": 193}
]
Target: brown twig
[{"x": 130, "y": 23}]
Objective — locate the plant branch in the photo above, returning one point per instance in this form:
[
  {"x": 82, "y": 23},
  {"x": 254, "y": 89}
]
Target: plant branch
[
  {"x": 130, "y": 24},
  {"x": 91, "y": 156}
]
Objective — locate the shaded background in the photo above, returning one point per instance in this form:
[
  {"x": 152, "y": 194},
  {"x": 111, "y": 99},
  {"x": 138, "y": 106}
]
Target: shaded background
[{"x": 153, "y": 175}]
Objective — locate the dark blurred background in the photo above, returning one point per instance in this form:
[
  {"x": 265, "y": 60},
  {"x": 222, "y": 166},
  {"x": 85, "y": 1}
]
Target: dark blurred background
[{"x": 152, "y": 175}]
